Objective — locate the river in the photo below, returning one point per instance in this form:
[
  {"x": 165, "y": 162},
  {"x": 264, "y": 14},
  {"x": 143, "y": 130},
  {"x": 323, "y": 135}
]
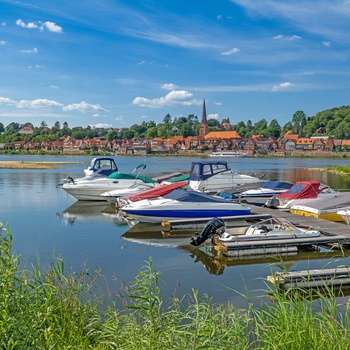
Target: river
[{"x": 46, "y": 222}]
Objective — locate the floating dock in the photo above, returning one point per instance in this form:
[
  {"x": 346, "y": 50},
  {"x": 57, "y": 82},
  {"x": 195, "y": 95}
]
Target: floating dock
[{"x": 311, "y": 278}]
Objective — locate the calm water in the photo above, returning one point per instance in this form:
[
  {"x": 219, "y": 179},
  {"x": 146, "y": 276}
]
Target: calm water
[{"x": 45, "y": 222}]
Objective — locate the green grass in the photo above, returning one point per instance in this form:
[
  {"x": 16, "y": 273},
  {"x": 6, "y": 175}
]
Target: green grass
[
  {"x": 52, "y": 309},
  {"x": 340, "y": 168}
]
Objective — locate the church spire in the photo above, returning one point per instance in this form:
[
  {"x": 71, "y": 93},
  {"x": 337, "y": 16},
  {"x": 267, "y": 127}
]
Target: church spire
[{"x": 203, "y": 128}]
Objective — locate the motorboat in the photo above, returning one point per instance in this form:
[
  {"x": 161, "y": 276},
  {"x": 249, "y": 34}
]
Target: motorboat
[
  {"x": 345, "y": 214},
  {"x": 234, "y": 154},
  {"x": 183, "y": 204},
  {"x": 157, "y": 191},
  {"x": 324, "y": 208},
  {"x": 216, "y": 176},
  {"x": 101, "y": 166},
  {"x": 300, "y": 193},
  {"x": 259, "y": 195},
  {"x": 266, "y": 230},
  {"x": 91, "y": 188}
]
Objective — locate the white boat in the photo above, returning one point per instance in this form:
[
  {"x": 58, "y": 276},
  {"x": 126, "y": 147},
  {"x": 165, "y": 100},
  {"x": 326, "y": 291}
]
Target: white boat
[
  {"x": 345, "y": 214},
  {"x": 269, "y": 229},
  {"x": 300, "y": 193},
  {"x": 101, "y": 166},
  {"x": 183, "y": 204},
  {"x": 91, "y": 188},
  {"x": 234, "y": 154},
  {"x": 216, "y": 176}
]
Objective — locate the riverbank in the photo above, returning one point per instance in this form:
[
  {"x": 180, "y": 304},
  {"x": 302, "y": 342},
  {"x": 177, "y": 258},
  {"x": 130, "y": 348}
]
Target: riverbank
[{"x": 33, "y": 165}]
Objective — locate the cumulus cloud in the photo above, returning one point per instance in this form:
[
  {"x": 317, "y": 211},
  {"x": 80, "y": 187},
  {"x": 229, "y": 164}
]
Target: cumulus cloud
[
  {"x": 100, "y": 126},
  {"x": 218, "y": 103},
  {"x": 283, "y": 86},
  {"x": 326, "y": 43},
  {"x": 83, "y": 107},
  {"x": 213, "y": 116},
  {"x": 50, "y": 26},
  {"x": 169, "y": 86},
  {"x": 3, "y": 42},
  {"x": 35, "y": 50},
  {"x": 7, "y": 101},
  {"x": 287, "y": 38},
  {"x": 230, "y": 52},
  {"x": 119, "y": 118},
  {"x": 173, "y": 98},
  {"x": 38, "y": 103}
]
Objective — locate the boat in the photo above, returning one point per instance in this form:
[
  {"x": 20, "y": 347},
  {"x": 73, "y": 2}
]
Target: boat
[
  {"x": 259, "y": 195},
  {"x": 101, "y": 166},
  {"x": 91, "y": 188},
  {"x": 266, "y": 230},
  {"x": 183, "y": 204},
  {"x": 157, "y": 191},
  {"x": 300, "y": 193},
  {"x": 216, "y": 176},
  {"x": 345, "y": 214},
  {"x": 234, "y": 154},
  {"x": 324, "y": 208}
]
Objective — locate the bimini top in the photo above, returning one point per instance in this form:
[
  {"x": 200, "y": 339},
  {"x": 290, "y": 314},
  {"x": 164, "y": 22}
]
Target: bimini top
[
  {"x": 206, "y": 169},
  {"x": 304, "y": 189}
]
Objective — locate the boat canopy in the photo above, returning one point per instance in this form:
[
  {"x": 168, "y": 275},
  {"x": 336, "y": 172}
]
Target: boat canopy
[
  {"x": 206, "y": 169},
  {"x": 182, "y": 177},
  {"x": 303, "y": 189},
  {"x": 130, "y": 176},
  {"x": 103, "y": 165},
  {"x": 193, "y": 196}
]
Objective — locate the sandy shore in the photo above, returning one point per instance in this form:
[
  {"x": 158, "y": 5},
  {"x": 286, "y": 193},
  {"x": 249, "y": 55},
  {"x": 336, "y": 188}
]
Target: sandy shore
[{"x": 33, "y": 165}]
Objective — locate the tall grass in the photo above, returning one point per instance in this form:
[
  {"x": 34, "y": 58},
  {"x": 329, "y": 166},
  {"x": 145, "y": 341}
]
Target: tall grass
[{"x": 53, "y": 309}]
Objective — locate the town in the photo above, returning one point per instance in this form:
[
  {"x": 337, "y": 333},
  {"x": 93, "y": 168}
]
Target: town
[{"x": 206, "y": 142}]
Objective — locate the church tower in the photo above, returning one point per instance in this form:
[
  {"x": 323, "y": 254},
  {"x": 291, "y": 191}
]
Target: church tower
[{"x": 203, "y": 127}]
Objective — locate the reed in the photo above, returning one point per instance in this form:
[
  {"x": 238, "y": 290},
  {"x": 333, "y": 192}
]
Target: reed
[{"x": 56, "y": 309}]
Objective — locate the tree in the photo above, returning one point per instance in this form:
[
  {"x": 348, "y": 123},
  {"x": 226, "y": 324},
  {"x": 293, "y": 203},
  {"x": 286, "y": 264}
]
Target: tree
[
  {"x": 298, "y": 120},
  {"x": 213, "y": 122},
  {"x": 12, "y": 128},
  {"x": 2, "y": 129},
  {"x": 274, "y": 129},
  {"x": 43, "y": 125},
  {"x": 56, "y": 128}
]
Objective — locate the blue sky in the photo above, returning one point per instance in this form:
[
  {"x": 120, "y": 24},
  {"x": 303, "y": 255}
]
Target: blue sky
[{"x": 117, "y": 63}]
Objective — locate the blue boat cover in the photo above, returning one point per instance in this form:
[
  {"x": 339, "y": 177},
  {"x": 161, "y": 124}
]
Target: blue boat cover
[{"x": 192, "y": 196}]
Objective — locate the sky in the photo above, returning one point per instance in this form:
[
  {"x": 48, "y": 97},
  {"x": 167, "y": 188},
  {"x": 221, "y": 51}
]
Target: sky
[{"x": 115, "y": 63}]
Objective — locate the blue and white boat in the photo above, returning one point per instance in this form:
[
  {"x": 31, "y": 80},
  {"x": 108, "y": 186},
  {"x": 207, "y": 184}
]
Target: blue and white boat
[
  {"x": 101, "y": 166},
  {"x": 215, "y": 176},
  {"x": 183, "y": 204}
]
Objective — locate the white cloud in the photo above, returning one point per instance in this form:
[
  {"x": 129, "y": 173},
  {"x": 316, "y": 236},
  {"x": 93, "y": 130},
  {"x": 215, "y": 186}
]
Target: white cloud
[
  {"x": 50, "y": 26},
  {"x": 37, "y": 66},
  {"x": 119, "y": 118},
  {"x": 53, "y": 87},
  {"x": 326, "y": 43},
  {"x": 3, "y": 42},
  {"x": 282, "y": 86},
  {"x": 218, "y": 103},
  {"x": 83, "y": 107},
  {"x": 3, "y": 24},
  {"x": 230, "y": 52},
  {"x": 7, "y": 101},
  {"x": 38, "y": 103},
  {"x": 35, "y": 50},
  {"x": 287, "y": 38},
  {"x": 173, "y": 98},
  {"x": 218, "y": 17},
  {"x": 100, "y": 126},
  {"x": 213, "y": 116},
  {"x": 169, "y": 86}
]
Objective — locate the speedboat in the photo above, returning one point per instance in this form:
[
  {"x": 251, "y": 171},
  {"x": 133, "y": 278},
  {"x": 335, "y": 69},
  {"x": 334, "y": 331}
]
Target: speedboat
[
  {"x": 215, "y": 176},
  {"x": 300, "y": 193},
  {"x": 157, "y": 191},
  {"x": 183, "y": 204},
  {"x": 259, "y": 195},
  {"x": 269, "y": 229},
  {"x": 91, "y": 188},
  {"x": 345, "y": 214},
  {"x": 324, "y": 208}
]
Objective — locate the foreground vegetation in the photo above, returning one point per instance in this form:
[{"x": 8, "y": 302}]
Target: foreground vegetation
[{"x": 51, "y": 309}]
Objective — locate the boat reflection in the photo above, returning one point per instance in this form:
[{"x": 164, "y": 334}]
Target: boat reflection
[
  {"x": 92, "y": 211},
  {"x": 213, "y": 261}
]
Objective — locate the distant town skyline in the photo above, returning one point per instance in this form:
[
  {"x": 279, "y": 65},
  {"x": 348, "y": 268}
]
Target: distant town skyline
[{"x": 119, "y": 63}]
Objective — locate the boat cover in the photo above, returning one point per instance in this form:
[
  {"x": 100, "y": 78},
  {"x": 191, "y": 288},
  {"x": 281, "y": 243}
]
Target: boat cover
[
  {"x": 193, "y": 196},
  {"x": 121, "y": 176},
  {"x": 205, "y": 169},
  {"x": 277, "y": 185},
  {"x": 303, "y": 189}
]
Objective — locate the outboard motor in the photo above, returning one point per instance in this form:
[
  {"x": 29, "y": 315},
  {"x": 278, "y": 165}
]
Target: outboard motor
[
  {"x": 272, "y": 202},
  {"x": 215, "y": 226}
]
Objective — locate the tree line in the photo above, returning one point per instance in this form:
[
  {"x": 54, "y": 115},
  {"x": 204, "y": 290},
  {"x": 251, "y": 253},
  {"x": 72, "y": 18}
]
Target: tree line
[{"x": 333, "y": 122}]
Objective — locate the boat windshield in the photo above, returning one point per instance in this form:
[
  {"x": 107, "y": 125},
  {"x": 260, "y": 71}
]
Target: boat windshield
[{"x": 296, "y": 188}]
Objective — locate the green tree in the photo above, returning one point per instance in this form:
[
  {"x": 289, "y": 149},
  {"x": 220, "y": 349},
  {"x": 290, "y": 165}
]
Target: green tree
[
  {"x": 12, "y": 128},
  {"x": 298, "y": 120},
  {"x": 274, "y": 129},
  {"x": 2, "y": 128}
]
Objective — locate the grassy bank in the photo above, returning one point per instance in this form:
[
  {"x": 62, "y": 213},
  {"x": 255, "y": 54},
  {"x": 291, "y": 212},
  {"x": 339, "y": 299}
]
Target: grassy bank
[{"x": 52, "y": 309}]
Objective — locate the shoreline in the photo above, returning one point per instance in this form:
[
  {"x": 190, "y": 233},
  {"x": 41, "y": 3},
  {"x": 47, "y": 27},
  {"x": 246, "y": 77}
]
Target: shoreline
[{"x": 12, "y": 164}]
